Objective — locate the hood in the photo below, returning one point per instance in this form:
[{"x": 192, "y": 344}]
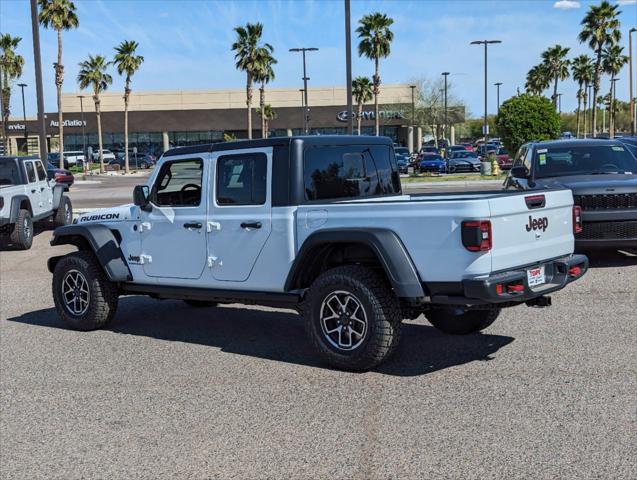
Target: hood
[
  {"x": 611, "y": 183},
  {"x": 113, "y": 214}
]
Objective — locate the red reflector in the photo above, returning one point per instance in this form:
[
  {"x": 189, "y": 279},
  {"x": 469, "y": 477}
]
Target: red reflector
[
  {"x": 575, "y": 271},
  {"x": 577, "y": 220},
  {"x": 499, "y": 289},
  {"x": 515, "y": 288}
]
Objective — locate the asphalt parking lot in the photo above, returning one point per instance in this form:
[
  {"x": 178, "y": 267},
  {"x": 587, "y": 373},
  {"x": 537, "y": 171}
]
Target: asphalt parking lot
[{"x": 168, "y": 391}]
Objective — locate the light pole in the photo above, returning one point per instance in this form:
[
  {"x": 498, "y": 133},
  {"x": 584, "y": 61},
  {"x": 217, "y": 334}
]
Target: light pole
[
  {"x": 81, "y": 97},
  {"x": 24, "y": 117},
  {"x": 35, "y": 27},
  {"x": 302, "y": 102},
  {"x": 413, "y": 119},
  {"x": 486, "y": 43},
  {"x": 444, "y": 128},
  {"x": 305, "y": 79},
  {"x": 559, "y": 103},
  {"x": 348, "y": 69},
  {"x": 611, "y": 110},
  {"x": 497, "y": 90},
  {"x": 630, "y": 81}
]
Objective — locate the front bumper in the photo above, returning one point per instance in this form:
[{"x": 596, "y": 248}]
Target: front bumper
[
  {"x": 484, "y": 290},
  {"x": 609, "y": 233}
]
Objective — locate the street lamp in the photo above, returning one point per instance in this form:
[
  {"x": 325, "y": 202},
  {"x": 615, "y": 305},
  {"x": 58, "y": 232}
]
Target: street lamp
[
  {"x": 410, "y": 140},
  {"x": 630, "y": 68},
  {"x": 486, "y": 43},
  {"x": 497, "y": 89},
  {"x": 559, "y": 103},
  {"x": 348, "y": 68},
  {"x": 81, "y": 97},
  {"x": 444, "y": 128},
  {"x": 305, "y": 79},
  {"x": 611, "y": 111},
  {"x": 24, "y": 116}
]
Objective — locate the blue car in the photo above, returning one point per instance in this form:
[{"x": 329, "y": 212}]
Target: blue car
[{"x": 433, "y": 163}]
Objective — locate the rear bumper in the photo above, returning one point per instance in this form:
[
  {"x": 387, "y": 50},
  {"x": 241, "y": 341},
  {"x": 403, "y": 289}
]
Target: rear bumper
[{"x": 484, "y": 290}]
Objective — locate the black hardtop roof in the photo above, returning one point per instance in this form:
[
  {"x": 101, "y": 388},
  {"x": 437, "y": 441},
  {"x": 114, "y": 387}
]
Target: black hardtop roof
[
  {"x": 270, "y": 142},
  {"x": 576, "y": 142},
  {"x": 19, "y": 158}
]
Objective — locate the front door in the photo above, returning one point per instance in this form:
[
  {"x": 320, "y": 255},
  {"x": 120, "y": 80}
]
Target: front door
[
  {"x": 240, "y": 212},
  {"x": 173, "y": 235}
]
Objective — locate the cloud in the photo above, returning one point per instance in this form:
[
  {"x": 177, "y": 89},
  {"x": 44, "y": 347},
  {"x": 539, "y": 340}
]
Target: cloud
[
  {"x": 566, "y": 4},
  {"x": 627, "y": 2}
]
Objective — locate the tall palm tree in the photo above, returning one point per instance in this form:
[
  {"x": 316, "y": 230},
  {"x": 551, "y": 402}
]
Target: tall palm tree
[
  {"x": 267, "y": 113},
  {"x": 600, "y": 28},
  {"x": 11, "y": 65},
  {"x": 613, "y": 60},
  {"x": 59, "y": 15},
  {"x": 127, "y": 61},
  {"x": 556, "y": 64},
  {"x": 93, "y": 74},
  {"x": 264, "y": 74},
  {"x": 537, "y": 80},
  {"x": 246, "y": 48},
  {"x": 362, "y": 92},
  {"x": 580, "y": 68},
  {"x": 376, "y": 38}
]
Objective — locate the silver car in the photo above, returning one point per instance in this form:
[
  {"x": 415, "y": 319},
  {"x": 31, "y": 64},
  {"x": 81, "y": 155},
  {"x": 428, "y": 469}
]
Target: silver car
[{"x": 463, "y": 161}]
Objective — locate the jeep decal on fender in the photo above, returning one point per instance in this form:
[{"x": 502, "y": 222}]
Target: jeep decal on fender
[
  {"x": 537, "y": 224},
  {"x": 103, "y": 216}
]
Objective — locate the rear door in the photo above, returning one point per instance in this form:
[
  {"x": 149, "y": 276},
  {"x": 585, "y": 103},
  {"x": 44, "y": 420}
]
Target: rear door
[
  {"x": 531, "y": 227},
  {"x": 240, "y": 218},
  {"x": 33, "y": 188}
]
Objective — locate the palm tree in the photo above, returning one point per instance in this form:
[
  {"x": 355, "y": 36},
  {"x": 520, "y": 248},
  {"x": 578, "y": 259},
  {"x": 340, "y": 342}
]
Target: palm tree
[
  {"x": 613, "y": 60},
  {"x": 362, "y": 92},
  {"x": 600, "y": 28},
  {"x": 247, "y": 48},
  {"x": 376, "y": 38},
  {"x": 537, "y": 80},
  {"x": 127, "y": 61},
  {"x": 267, "y": 113},
  {"x": 580, "y": 68},
  {"x": 59, "y": 15},
  {"x": 93, "y": 74},
  {"x": 264, "y": 74},
  {"x": 556, "y": 64},
  {"x": 11, "y": 65}
]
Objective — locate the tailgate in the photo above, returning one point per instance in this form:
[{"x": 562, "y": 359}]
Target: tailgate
[{"x": 531, "y": 227}]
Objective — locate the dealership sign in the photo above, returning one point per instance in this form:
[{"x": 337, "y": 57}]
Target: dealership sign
[
  {"x": 16, "y": 126},
  {"x": 382, "y": 114},
  {"x": 68, "y": 123}
]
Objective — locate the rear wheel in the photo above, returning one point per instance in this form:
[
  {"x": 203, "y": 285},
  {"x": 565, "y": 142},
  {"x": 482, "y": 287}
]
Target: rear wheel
[
  {"x": 22, "y": 234},
  {"x": 64, "y": 213},
  {"x": 461, "y": 321},
  {"x": 200, "y": 303},
  {"x": 84, "y": 298},
  {"x": 352, "y": 318}
]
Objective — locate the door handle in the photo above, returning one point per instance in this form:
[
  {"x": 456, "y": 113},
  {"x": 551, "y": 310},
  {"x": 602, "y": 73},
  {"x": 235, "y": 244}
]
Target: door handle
[
  {"x": 192, "y": 225},
  {"x": 33, "y": 190},
  {"x": 41, "y": 189},
  {"x": 251, "y": 225}
]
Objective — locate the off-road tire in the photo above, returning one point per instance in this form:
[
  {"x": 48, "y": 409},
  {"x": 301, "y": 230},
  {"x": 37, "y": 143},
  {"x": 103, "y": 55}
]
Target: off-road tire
[
  {"x": 460, "y": 321},
  {"x": 103, "y": 295},
  {"x": 200, "y": 303},
  {"x": 22, "y": 234},
  {"x": 381, "y": 307},
  {"x": 64, "y": 214}
]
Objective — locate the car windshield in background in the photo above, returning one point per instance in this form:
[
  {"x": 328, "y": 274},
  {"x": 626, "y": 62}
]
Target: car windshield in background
[
  {"x": 401, "y": 151},
  {"x": 583, "y": 160},
  {"x": 8, "y": 174},
  {"x": 464, "y": 154}
]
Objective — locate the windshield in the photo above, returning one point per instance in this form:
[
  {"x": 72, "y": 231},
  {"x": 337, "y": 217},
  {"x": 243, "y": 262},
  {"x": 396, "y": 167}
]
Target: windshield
[
  {"x": 583, "y": 160},
  {"x": 464, "y": 154},
  {"x": 402, "y": 151},
  {"x": 9, "y": 173}
]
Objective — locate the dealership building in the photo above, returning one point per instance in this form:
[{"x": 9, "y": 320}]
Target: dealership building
[{"x": 164, "y": 119}]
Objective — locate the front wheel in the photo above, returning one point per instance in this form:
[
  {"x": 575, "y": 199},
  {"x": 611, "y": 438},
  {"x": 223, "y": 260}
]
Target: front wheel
[
  {"x": 461, "y": 321},
  {"x": 84, "y": 298},
  {"x": 352, "y": 318}
]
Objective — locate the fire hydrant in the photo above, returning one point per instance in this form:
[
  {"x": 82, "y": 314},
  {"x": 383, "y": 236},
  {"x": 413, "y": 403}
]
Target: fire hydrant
[{"x": 495, "y": 166}]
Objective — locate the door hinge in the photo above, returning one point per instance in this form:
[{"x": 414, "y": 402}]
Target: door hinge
[
  {"x": 214, "y": 262},
  {"x": 210, "y": 226},
  {"x": 143, "y": 259},
  {"x": 144, "y": 226}
]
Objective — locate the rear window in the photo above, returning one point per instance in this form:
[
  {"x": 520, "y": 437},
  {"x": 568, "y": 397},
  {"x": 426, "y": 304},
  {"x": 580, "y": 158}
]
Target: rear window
[
  {"x": 9, "y": 174},
  {"x": 349, "y": 171},
  {"x": 583, "y": 160}
]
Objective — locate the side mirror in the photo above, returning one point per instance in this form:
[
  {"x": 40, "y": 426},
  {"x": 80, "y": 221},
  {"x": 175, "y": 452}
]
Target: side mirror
[
  {"x": 141, "y": 193},
  {"x": 520, "y": 171}
]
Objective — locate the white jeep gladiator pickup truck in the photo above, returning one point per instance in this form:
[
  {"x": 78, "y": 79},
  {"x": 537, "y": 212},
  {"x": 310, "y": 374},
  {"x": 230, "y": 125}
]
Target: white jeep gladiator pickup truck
[
  {"x": 27, "y": 196},
  {"x": 319, "y": 224}
]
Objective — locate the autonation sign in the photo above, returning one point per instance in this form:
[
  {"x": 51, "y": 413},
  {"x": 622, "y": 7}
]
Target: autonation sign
[
  {"x": 68, "y": 123},
  {"x": 366, "y": 115}
]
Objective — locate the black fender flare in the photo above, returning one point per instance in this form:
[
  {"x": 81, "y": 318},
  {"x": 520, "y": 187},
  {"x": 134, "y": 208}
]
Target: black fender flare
[
  {"x": 58, "y": 192},
  {"x": 16, "y": 201},
  {"x": 387, "y": 246},
  {"x": 101, "y": 241}
]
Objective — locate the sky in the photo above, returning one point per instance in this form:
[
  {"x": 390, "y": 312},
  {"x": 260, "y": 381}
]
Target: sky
[{"x": 186, "y": 43}]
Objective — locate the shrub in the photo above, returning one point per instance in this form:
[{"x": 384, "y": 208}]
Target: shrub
[{"x": 524, "y": 118}]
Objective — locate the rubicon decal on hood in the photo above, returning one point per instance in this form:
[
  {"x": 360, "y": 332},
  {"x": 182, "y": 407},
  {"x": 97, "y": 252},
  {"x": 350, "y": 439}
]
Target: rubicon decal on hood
[
  {"x": 108, "y": 215},
  {"x": 103, "y": 216}
]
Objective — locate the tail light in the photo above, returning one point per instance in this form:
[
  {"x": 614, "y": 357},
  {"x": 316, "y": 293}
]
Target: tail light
[
  {"x": 577, "y": 219},
  {"x": 476, "y": 235}
]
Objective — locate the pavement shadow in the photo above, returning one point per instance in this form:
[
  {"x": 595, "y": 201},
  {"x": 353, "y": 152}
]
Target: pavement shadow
[
  {"x": 611, "y": 258},
  {"x": 276, "y": 335}
]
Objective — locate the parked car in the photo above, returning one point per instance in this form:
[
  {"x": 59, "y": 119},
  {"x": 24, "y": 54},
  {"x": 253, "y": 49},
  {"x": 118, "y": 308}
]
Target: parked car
[
  {"x": 432, "y": 163},
  {"x": 60, "y": 175},
  {"x": 468, "y": 146},
  {"x": 463, "y": 161},
  {"x": 71, "y": 158},
  {"x": 503, "y": 159},
  {"x": 106, "y": 154},
  {"x": 427, "y": 150},
  {"x": 403, "y": 158},
  {"x": 280, "y": 222},
  {"x": 603, "y": 177},
  {"x": 454, "y": 148},
  {"x": 135, "y": 161},
  {"x": 486, "y": 148}
]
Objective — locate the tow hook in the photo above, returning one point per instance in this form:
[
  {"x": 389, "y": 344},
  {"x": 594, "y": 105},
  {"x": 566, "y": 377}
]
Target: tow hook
[{"x": 539, "y": 302}]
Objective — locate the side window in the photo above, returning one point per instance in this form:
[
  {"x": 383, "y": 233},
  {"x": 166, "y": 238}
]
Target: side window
[
  {"x": 241, "y": 179},
  {"x": 519, "y": 157},
  {"x": 385, "y": 163},
  {"x": 336, "y": 172},
  {"x": 179, "y": 184},
  {"x": 40, "y": 169},
  {"x": 30, "y": 171}
]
